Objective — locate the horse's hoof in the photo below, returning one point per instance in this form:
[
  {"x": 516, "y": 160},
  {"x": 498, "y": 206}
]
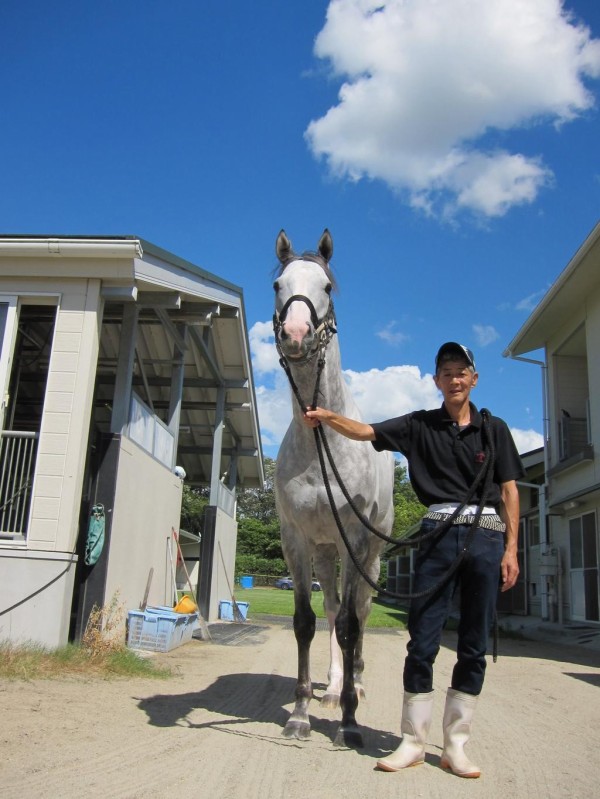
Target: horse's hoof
[
  {"x": 330, "y": 701},
  {"x": 348, "y": 737},
  {"x": 297, "y": 729},
  {"x": 360, "y": 692}
]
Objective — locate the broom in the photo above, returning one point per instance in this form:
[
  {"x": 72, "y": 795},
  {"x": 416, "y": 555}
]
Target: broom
[{"x": 204, "y": 632}]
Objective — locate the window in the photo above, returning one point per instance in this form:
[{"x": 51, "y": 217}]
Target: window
[
  {"x": 26, "y": 332},
  {"x": 534, "y": 497},
  {"x": 8, "y": 317},
  {"x": 533, "y": 530},
  {"x": 584, "y": 568}
]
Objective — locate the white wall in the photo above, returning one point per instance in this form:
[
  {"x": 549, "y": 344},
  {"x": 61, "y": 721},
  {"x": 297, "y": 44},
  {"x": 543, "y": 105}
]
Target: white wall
[
  {"x": 585, "y": 475},
  {"x": 223, "y": 562},
  {"x": 56, "y": 494},
  {"x": 593, "y": 367},
  {"x": 41, "y": 616},
  {"x": 141, "y": 528}
]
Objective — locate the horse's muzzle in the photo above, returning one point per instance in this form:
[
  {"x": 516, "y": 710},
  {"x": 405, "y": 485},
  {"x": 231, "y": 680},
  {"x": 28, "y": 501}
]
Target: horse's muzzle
[{"x": 295, "y": 348}]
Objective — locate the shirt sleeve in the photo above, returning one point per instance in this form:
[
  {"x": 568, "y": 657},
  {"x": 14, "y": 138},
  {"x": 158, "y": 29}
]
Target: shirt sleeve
[
  {"x": 393, "y": 434},
  {"x": 508, "y": 460}
]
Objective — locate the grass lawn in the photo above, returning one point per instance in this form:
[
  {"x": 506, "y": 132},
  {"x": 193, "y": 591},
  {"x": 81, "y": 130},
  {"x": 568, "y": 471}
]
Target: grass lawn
[{"x": 275, "y": 602}]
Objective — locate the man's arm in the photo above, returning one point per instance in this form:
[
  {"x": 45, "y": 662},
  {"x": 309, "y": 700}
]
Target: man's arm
[
  {"x": 509, "y": 512},
  {"x": 357, "y": 431}
]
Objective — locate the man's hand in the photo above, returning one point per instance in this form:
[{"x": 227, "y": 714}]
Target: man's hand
[
  {"x": 357, "y": 431},
  {"x": 310, "y": 418},
  {"x": 509, "y": 569}
]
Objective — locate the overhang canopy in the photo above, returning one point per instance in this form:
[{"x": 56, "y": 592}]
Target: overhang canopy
[
  {"x": 188, "y": 321},
  {"x": 569, "y": 291}
]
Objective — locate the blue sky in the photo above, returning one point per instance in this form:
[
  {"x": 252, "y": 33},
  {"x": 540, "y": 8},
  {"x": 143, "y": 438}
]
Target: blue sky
[{"x": 450, "y": 146}]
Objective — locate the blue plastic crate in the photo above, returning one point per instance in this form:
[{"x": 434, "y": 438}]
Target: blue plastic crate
[
  {"x": 226, "y": 610},
  {"x": 159, "y": 629}
]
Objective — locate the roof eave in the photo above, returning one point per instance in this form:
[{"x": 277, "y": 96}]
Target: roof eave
[{"x": 531, "y": 335}]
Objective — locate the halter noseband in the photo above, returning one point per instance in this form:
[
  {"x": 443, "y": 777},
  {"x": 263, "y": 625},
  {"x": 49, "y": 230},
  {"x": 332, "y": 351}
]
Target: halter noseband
[{"x": 323, "y": 328}]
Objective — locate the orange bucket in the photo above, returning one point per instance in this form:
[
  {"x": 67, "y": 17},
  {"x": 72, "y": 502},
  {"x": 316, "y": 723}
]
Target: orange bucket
[{"x": 186, "y": 605}]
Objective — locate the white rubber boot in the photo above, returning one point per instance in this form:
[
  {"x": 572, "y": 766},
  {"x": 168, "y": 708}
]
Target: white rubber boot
[
  {"x": 458, "y": 715},
  {"x": 416, "y": 720}
]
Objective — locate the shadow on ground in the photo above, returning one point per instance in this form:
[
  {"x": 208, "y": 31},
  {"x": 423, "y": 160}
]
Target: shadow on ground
[{"x": 241, "y": 699}]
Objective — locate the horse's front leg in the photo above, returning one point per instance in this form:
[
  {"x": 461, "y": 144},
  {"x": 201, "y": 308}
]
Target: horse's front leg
[
  {"x": 335, "y": 675},
  {"x": 298, "y": 724},
  {"x": 347, "y": 628},
  {"x": 325, "y": 569},
  {"x": 363, "y": 608}
]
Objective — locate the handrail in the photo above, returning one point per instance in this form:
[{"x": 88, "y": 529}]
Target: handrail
[{"x": 17, "y": 467}]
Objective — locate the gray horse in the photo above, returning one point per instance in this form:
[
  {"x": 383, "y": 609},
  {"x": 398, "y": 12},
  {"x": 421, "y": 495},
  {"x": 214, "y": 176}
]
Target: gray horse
[{"x": 304, "y": 325}]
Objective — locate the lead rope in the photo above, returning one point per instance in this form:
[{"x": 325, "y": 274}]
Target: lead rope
[
  {"x": 485, "y": 473},
  {"x": 437, "y": 532}
]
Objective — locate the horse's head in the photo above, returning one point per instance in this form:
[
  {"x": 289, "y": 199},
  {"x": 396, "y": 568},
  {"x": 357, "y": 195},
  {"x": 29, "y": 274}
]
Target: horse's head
[{"x": 304, "y": 320}]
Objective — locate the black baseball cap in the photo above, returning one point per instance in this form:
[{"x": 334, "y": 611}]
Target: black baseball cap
[{"x": 453, "y": 348}]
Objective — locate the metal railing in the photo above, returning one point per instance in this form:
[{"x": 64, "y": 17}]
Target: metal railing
[
  {"x": 150, "y": 432},
  {"x": 17, "y": 465},
  {"x": 226, "y": 500},
  {"x": 573, "y": 436}
]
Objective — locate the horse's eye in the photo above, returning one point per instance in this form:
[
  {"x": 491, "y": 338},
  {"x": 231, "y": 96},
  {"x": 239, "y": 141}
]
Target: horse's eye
[
  {"x": 328, "y": 288},
  {"x": 276, "y": 285}
]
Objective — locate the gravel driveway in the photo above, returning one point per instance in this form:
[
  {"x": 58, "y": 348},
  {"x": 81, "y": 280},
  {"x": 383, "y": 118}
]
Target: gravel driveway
[{"x": 214, "y": 730}]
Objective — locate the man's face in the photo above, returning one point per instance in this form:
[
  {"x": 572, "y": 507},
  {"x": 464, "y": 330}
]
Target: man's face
[{"x": 455, "y": 380}]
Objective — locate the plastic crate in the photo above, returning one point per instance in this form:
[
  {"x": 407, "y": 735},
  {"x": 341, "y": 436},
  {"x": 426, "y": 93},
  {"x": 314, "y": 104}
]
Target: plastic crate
[
  {"x": 226, "y": 610},
  {"x": 159, "y": 629}
]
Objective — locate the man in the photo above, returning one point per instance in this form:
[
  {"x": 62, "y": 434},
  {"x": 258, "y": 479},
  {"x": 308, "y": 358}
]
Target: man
[{"x": 445, "y": 449}]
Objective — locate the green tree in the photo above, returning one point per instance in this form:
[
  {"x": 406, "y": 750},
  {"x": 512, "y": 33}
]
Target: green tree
[
  {"x": 259, "y": 503},
  {"x": 193, "y": 503},
  {"x": 407, "y": 508},
  {"x": 259, "y": 541}
]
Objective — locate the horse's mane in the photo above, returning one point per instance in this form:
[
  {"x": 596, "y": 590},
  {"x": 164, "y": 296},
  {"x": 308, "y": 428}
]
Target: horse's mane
[{"x": 307, "y": 255}]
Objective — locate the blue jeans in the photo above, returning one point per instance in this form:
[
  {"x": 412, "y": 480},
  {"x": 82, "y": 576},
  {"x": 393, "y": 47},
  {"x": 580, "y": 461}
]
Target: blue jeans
[{"x": 478, "y": 578}]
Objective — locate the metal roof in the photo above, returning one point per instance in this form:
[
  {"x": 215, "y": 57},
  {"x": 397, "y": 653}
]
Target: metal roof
[{"x": 181, "y": 308}]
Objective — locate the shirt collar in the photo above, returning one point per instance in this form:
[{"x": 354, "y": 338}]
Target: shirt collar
[{"x": 476, "y": 420}]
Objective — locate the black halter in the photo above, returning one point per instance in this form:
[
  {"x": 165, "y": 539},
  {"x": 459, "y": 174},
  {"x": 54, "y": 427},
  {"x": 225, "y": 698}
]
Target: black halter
[{"x": 324, "y": 328}]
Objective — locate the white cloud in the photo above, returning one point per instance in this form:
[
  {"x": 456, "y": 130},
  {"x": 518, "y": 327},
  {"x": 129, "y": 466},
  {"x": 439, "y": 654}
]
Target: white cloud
[
  {"x": 262, "y": 346},
  {"x": 526, "y": 440},
  {"x": 485, "y": 334},
  {"x": 426, "y": 80},
  {"x": 379, "y": 394},
  {"x": 385, "y": 393},
  {"x": 529, "y": 303},
  {"x": 390, "y": 335},
  {"x": 274, "y": 410}
]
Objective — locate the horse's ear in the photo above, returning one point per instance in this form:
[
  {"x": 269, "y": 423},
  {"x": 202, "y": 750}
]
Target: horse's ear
[
  {"x": 326, "y": 245},
  {"x": 283, "y": 248}
]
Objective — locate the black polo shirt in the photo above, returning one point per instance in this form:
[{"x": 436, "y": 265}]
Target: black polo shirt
[{"x": 443, "y": 460}]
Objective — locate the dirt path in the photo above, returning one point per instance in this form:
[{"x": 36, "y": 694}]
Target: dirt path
[{"x": 215, "y": 729}]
